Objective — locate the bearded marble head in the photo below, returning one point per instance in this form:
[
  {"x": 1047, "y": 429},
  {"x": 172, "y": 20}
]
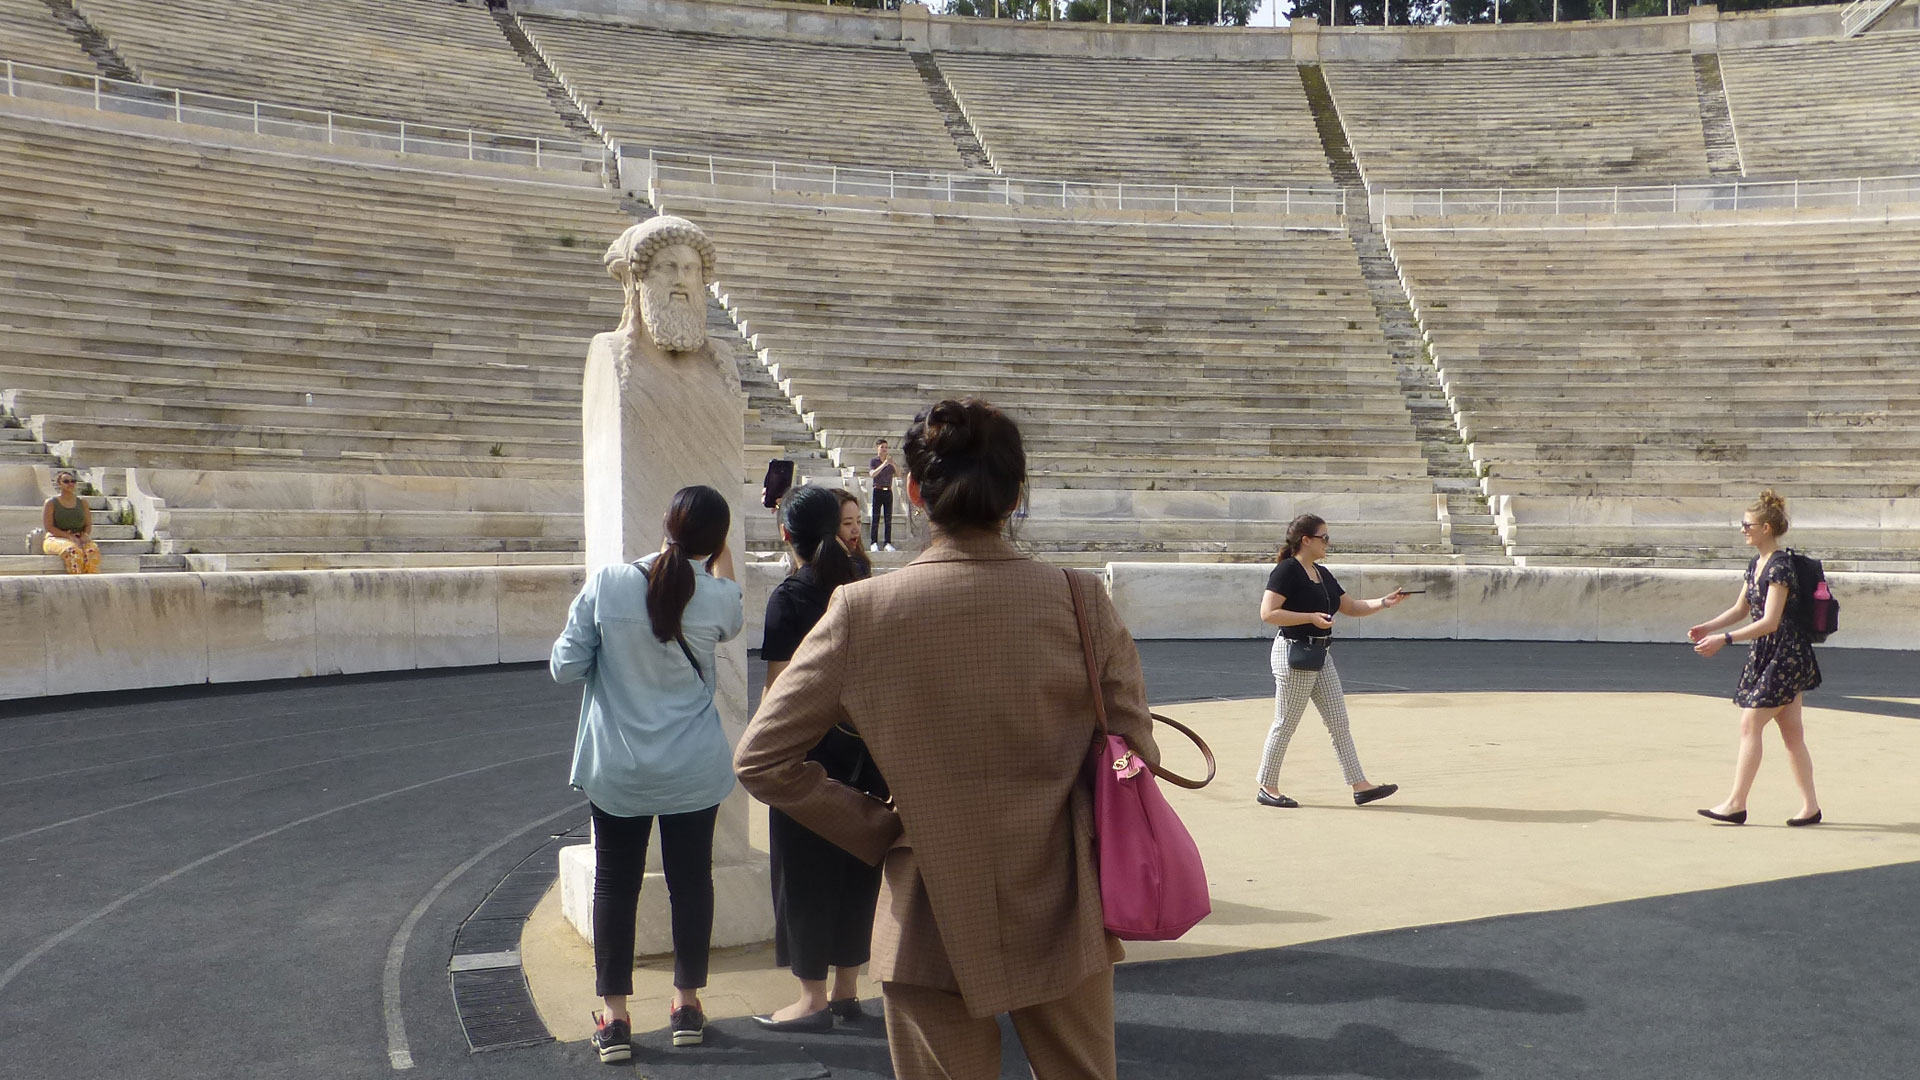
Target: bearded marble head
[{"x": 664, "y": 264}]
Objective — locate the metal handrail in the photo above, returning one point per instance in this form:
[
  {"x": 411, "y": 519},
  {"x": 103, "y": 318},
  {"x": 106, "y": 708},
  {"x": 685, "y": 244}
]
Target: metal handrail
[
  {"x": 33, "y": 82},
  {"x": 1660, "y": 198},
  {"x": 1860, "y": 14},
  {"x": 974, "y": 188}
]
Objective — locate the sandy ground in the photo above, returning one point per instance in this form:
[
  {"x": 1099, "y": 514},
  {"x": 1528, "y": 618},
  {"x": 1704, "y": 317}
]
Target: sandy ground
[{"x": 1510, "y": 802}]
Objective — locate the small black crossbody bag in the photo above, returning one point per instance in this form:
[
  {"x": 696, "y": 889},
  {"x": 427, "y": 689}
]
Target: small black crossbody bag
[{"x": 1310, "y": 653}]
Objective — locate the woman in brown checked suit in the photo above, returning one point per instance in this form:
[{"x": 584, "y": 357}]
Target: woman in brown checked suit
[{"x": 991, "y": 901}]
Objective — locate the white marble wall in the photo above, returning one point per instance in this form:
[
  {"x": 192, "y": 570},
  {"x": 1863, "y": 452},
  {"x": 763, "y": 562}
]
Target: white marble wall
[{"x": 1213, "y": 600}]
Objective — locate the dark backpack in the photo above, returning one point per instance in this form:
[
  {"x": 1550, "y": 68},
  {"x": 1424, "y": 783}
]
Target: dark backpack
[{"x": 1815, "y": 607}]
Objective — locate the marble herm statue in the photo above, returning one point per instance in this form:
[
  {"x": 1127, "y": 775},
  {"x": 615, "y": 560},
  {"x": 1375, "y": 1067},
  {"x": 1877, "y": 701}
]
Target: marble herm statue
[
  {"x": 661, "y": 409},
  {"x": 662, "y": 402}
]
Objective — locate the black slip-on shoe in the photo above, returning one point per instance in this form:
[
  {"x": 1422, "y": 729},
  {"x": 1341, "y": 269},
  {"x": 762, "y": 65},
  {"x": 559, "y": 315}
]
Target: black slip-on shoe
[
  {"x": 812, "y": 1022},
  {"x": 1374, "y": 794},
  {"x": 847, "y": 1008},
  {"x": 1738, "y": 817},
  {"x": 1260, "y": 796},
  {"x": 1796, "y": 822}
]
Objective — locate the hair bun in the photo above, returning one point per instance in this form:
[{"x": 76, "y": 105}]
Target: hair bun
[
  {"x": 956, "y": 427},
  {"x": 1772, "y": 499}
]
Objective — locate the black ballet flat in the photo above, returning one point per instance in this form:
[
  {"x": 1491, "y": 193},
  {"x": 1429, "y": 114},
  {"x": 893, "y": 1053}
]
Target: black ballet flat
[
  {"x": 847, "y": 1008},
  {"x": 1260, "y": 796},
  {"x": 1798, "y": 821},
  {"x": 1738, "y": 817},
  {"x": 1374, "y": 794}
]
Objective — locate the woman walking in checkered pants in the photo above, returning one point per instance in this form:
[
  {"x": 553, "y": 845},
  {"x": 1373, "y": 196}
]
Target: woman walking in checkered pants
[{"x": 1302, "y": 598}]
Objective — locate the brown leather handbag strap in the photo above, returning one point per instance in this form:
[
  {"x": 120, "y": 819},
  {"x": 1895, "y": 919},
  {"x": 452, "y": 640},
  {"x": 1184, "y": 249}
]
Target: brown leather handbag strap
[{"x": 1100, "y": 699}]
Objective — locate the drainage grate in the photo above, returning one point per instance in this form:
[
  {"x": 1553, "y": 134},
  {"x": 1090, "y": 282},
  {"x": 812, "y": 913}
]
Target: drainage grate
[
  {"x": 496, "y": 1009},
  {"x": 489, "y": 988}
]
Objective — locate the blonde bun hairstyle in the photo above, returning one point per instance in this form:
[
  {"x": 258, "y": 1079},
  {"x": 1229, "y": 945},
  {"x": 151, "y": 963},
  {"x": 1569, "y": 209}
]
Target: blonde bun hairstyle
[{"x": 1770, "y": 510}]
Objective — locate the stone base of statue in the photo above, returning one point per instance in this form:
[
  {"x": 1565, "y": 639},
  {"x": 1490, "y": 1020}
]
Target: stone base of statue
[{"x": 655, "y": 420}]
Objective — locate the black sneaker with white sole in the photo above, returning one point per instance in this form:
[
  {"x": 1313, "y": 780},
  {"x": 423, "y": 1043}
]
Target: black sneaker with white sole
[
  {"x": 689, "y": 1025},
  {"x": 612, "y": 1039}
]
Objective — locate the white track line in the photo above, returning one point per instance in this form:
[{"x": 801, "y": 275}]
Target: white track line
[
  {"x": 399, "y": 1051},
  {"x": 13, "y": 971},
  {"x": 463, "y": 737}
]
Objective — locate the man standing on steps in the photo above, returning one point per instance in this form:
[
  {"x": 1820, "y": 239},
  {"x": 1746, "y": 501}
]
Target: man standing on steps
[{"x": 880, "y": 470}]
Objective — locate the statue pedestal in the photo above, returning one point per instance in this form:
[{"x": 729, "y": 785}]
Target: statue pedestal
[{"x": 676, "y": 421}]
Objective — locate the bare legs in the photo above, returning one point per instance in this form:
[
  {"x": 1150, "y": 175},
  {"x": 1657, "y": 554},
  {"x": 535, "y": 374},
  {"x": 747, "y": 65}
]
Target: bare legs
[
  {"x": 1794, "y": 734},
  {"x": 1753, "y": 724}
]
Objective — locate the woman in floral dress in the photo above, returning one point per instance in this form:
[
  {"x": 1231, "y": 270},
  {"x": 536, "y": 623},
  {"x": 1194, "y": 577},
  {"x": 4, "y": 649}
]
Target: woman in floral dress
[{"x": 1780, "y": 669}]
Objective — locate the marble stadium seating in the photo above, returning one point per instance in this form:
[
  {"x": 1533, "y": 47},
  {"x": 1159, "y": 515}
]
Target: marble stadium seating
[
  {"x": 1827, "y": 108},
  {"x": 426, "y": 61},
  {"x": 715, "y": 94},
  {"x": 1181, "y": 373},
  {"x": 1525, "y": 122},
  {"x": 1200, "y": 121},
  {"x": 181, "y": 305},
  {"x": 1631, "y": 388},
  {"x": 28, "y": 35}
]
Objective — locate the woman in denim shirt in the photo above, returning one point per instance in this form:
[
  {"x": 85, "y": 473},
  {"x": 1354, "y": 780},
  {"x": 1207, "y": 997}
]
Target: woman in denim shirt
[{"x": 643, "y": 637}]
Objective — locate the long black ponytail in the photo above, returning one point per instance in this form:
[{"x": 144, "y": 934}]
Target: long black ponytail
[
  {"x": 811, "y": 517},
  {"x": 696, "y": 527}
]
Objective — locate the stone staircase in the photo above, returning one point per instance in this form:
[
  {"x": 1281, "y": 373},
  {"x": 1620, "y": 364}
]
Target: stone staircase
[
  {"x": 965, "y": 139},
  {"x": 1474, "y": 534},
  {"x": 1716, "y": 121},
  {"x": 549, "y": 83},
  {"x": 121, "y": 548},
  {"x": 93, "y": 42}
]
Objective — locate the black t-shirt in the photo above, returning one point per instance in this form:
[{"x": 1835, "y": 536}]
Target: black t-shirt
[
  {"x": 1302, "y": 593},
  {"x": 793, "y": 608}
]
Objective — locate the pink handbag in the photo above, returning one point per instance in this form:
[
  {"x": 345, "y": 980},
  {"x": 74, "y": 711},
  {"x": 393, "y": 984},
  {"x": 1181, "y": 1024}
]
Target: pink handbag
[{"x": 1152, "y": 884}]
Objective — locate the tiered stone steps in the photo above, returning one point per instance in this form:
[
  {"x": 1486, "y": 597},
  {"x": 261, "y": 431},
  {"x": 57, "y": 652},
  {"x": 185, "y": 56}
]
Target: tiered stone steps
[
  {"x": 1140, "y": 120},
  {"x": 422, "y": 61},
  {"x": 1522, "y": 121},
  {"x": 31, "y": 33},
  {"x": 557, "y": 96},
  {"x": 1723, "y": 150},
  {"x": 965, "y": 139},
  {"x": 1141, "y": 360},
  {"x": 341, "y": 318},
  {"x": 739, "y": 96},
  {"x": 1628, "y": 390},
  {"x": 1473, "y": 534},
  {"x": 1828, "y": 108}
]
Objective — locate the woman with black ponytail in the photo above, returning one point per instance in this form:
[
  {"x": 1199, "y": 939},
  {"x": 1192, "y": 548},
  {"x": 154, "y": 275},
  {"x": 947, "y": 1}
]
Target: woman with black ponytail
[
  {"x": 643, "y": 637},
  {"x": 823, "y": 898}
]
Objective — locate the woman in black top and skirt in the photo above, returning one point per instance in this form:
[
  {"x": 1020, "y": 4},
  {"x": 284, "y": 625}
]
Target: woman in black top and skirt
[
  {"x": 1301, "y": 599},
  {"x": 823, "y": 898},
  {"x": 1780, "y": 669}
]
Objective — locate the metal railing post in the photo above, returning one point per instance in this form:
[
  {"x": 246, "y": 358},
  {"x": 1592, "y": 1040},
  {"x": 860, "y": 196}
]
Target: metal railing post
[
  {"x": 403, "y": 136},
  {"x": 1616, "y": 199},
  {"x": 536, "y": 142},
  {"x": 890, "y": 183},
  {"x": 1859, "y": 191},
  {"x": 1736, "y": 196},
  {"x": 536, "y": 155},
  {"x": 833, "y": 182},
  {"x": 949, "y": 187},
  {"x": 1796, "y": 194},
  {"x": 96, "y": 93},
  {"x": 1230, "y": 193},
  {"x": 10, "y": 90},
  {"x": 1123, "y": 196},
  {"x": 710, "y": 173},
  {"x": 1290, "y": 200},
  {"x": 178, "y": 117},
  {"x": 256, "y": 118},
  {"x": 1063, "y": 194},
  {"x": 1499, "y": 194},
  {"x": 773, "y": 176},
  {"x": 1676, "y": 199},
  {"x": 1176, "y": 187}
]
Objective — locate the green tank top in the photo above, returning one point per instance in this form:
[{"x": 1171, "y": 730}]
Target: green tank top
[{"x": 73, "y": 518}]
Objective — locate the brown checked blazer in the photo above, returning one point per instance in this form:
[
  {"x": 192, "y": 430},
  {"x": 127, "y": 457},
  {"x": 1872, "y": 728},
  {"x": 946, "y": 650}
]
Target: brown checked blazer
[{"x": 964, "y": 673}]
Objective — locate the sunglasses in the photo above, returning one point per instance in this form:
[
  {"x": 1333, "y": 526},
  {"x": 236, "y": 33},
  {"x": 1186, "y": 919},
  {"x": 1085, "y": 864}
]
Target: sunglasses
[
  {"x": 1322, "y": 537},
  {"x": 68, "y": 480},
  {"x": 1747, "y": 526}
]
